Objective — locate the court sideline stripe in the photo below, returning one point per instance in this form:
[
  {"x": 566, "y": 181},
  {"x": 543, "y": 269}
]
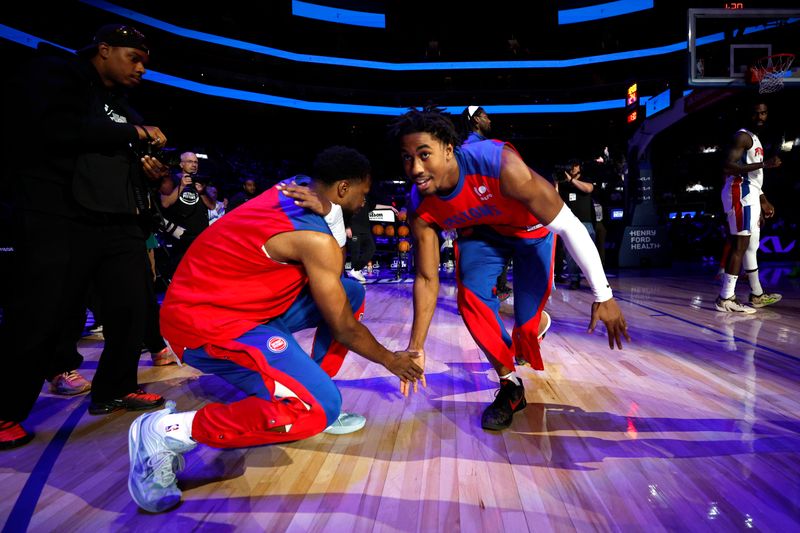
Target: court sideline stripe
[{"x": 20, "y": 517}]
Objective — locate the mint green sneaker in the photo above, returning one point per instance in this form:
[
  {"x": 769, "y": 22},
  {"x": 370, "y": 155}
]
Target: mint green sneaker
[
  {"x": 346, "y": 423},
  {"x": 155, "y": 460},
  {"x": 764, "y": 299}
]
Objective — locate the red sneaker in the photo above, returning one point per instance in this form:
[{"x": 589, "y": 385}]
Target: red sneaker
[
  {"x": 12, "y": 435},
  {"x": 135, "y": 401}
]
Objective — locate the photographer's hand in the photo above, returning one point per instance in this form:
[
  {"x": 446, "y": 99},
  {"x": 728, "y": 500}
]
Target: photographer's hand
[
  {"x": 152, "y": 134},
  {"x": 186, "y": 180}
]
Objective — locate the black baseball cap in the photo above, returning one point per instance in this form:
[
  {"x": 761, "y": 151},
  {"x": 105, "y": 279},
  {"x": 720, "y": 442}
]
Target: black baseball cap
[{"x": 116, "y": 35}]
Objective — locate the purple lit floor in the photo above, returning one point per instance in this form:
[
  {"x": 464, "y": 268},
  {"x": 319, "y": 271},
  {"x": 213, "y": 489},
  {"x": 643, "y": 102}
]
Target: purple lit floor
[{"x": 694, "y": 426}]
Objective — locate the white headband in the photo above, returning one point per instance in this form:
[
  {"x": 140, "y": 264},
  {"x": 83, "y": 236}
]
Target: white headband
[{"x": 471, "y": 110}]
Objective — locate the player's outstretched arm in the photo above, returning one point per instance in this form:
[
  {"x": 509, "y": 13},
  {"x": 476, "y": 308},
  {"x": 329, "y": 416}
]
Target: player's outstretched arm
[
  {"x": 426, "y": 280},
  {"x": 519, "y": 182}
]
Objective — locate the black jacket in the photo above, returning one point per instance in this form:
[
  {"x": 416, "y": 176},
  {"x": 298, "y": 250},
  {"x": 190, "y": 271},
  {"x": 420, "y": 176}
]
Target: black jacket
[{"x": 69, "y": 156}]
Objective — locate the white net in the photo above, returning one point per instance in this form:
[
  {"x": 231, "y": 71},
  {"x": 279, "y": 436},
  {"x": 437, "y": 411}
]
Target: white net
[{"x": 770, "y": 72}]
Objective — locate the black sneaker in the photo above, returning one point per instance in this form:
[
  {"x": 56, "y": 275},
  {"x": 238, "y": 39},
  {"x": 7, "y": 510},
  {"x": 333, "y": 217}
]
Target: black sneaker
[
  {"x": 509, "y": 399},
  {"x": 135, "y": 401}
]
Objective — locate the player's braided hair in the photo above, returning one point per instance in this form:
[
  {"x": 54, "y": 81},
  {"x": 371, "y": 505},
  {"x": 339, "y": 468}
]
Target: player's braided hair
[{"x": 429, "y": 119}]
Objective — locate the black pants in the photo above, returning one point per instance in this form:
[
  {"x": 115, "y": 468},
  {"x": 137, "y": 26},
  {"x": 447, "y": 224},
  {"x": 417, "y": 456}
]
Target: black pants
[
  {"x": 361, "y": 247},
  {"x": 55, "y": 261},
  {"x": 153, "y": 340}
]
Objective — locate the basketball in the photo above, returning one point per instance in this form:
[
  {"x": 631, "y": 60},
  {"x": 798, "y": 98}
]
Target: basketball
[
  {"x": 402, "y": 215},
  {"x": 377, "y": 229},
  {"x": 402, "y": 231},
  {"x": 389, "y": 232},
  {"x": 404, "y": 246}
]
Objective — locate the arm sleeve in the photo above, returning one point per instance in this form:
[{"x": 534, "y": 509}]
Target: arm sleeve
[{"x": 577, "y": 240}]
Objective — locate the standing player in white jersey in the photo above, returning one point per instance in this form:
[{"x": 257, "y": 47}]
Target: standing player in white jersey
[{"x": 745, "y": 204}]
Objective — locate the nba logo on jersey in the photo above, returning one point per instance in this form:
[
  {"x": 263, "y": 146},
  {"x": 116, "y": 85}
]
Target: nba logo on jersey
[{"x": 277, "y": 344}]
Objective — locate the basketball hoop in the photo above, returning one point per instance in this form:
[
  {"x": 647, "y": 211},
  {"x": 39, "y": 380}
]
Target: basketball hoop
[{"x": 770, "y": 71}]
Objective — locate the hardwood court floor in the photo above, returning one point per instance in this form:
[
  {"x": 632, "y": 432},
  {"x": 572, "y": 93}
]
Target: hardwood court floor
[{"x": 694, "y": 426}]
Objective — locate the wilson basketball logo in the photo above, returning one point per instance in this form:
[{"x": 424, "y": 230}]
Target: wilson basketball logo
[{"x": 277, "y": 344}]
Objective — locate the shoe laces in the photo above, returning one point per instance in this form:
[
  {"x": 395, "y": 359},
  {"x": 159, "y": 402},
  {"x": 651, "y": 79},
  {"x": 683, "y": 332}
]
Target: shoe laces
[
  {"x": 165, "y": 464},
  {"x": 505, "y": 384}
]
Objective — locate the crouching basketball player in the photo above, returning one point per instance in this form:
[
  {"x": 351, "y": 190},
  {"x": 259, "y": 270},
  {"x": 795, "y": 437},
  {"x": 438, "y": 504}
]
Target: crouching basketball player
[
  {"x": 501, "y": 209},
  {"x": 260, "y": 273}
]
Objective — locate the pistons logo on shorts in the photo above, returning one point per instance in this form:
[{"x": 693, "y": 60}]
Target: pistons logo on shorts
[{"x": 277, "y": 344}]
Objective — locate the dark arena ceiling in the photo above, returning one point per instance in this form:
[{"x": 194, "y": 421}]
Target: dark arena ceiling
[{"x": 420, "y": 43}]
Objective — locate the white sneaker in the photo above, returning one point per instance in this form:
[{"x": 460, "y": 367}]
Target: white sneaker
[
  {"x": 346, "y": 423},
  {"x": 765, "y": 298},
  {"x": 357, "y": 275},
  {"x": 732, "y": 305},
  {"x": 154, "y": 462}
]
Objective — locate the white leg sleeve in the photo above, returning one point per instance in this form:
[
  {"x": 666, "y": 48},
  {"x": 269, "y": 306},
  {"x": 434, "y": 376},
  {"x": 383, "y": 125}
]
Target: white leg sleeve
[
  {"x": 749, "y": 261},
  {"x": 577, "y": 240}
]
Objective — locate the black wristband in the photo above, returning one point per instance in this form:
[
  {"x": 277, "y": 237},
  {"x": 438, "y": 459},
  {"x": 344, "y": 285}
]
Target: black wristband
[{"x": 146, "y": 133}]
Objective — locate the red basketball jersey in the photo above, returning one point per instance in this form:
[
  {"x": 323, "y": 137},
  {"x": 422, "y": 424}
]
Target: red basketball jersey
[
  {"x": 477, "y": 199},
  {"x": 226, "y": 284}
]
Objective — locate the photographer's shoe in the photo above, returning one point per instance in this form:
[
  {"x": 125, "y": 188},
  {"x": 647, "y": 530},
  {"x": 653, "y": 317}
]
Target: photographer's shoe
[
  {"x": 164, "y": 357},
  {"x": 135, "y": 401},
  {"x": 69, "y": 384},
  {"x": 13, "y": 435}
]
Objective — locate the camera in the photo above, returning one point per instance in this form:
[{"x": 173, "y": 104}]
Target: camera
[
  {"x": 561, "y": 170},
  {"x": 167, "y": 156},
  {"x": 202, "y": 179}
]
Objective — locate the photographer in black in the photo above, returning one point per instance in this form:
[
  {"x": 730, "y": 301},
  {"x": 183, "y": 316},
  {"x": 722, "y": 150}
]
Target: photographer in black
[
  {"x": 75, "y": 182},
  {"x": 576, "y": 191},
  {"x": 186, "y": 204}
]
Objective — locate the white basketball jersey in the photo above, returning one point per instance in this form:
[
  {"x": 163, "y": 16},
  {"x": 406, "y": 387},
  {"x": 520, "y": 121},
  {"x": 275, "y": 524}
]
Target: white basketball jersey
[{"x": 754, "y": 155}]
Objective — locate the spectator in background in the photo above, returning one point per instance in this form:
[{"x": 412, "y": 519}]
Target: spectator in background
[
  {"x": 575, "y": 190},
  {"x": 219, "y": 209},
  {"x": 360, "y": 242},
  {"x": 476, "y": 127},
  {"x": 248, "y": 192}
]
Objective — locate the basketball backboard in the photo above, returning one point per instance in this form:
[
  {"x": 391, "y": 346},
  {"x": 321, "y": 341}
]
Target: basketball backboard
[{"x": 725, "y": 43}]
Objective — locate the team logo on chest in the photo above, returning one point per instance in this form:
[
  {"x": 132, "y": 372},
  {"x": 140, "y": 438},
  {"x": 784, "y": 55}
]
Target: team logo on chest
[
  {"x": 482, "y": 192},
  {"x": 277, "y": 344}
]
